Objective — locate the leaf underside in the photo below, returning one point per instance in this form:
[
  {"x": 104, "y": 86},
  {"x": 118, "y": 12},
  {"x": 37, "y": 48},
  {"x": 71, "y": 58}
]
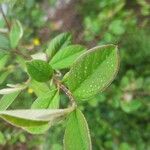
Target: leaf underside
[{"x": 32, "y": 118}]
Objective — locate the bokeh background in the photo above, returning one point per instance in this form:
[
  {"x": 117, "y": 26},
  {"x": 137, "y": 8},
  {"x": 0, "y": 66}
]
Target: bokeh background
[{"x": 119, "y": 118}]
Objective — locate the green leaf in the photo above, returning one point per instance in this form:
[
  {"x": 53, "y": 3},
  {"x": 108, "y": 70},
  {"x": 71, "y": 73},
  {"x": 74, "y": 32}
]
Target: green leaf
[
  {"x": 7, "y": 100},
  {"x": 38, "y": 129},
  {"x": 39, "y": 70},
  {"x": 16, "y": 34},
  {"x": 49, "y": 100},
  {"x": 39, "y": 88},
  {"x": 4, "y": 56},
  {"x": 4, "y": 75},
  {"x": 4, "y": 42},
  {"x": 77, "y": 135},
  {"x": 130, "y": 106},
  {"x": 66, "y": 56},
  {"x": 31, "y": 118},
  {"x": 57, "y": 43},
  {"x": 2, "y": 139},
  {"x": 93, "y": 71},
  {"x": 21, "y": 61},
  {"x": 55, "y": 101},
  {"x": 46, "y": 100}
]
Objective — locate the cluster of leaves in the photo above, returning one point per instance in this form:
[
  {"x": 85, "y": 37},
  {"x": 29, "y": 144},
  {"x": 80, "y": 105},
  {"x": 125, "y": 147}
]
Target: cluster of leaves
[
  {"x": 80, "y": 83},
  {"x": 121, "y": 121}
]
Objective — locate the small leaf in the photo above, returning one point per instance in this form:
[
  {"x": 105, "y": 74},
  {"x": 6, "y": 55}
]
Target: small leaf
[
  {"x": 7, "y": 100},
  {"x": 39, "y": 88},
  {"x": 93, "y": 71},
  {"x": 57, "y": 43},
  {"x": 39, "y": 70},
  {"x": 130, "y": 106},
  {"x": 49, "y": 100},
  {"x": 46, "y": 100},
  {"x": 77, "y": 135},
  {"x": 16, "y": 34},
  {"x": 66, "y": 56}
]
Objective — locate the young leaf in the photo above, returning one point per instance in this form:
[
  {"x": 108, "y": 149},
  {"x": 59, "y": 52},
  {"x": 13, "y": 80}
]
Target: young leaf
[
  {"x": 93, "y": 71},
  {"x": 39, "y": 70},
  {"x": 46, "y": 100},
  {"x": 49, "y": 100},
  {"x": 7, "y": 100},
  {"x": 77, "y": 135},
  {"x": 39, "y": 88},
  {"x": 57, "y": 43},
  {"x": 66, "y": 56},
  {"x": 16, "y": 34}
]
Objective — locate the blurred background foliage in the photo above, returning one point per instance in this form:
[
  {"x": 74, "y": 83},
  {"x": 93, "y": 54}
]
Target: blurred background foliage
[{"x": 119, "y": 118}]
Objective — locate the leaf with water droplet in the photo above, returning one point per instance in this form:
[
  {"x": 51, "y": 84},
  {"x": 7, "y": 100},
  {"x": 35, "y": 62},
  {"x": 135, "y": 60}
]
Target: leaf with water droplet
[
  {"x": 39, "y": 70},
  {"x": 93, "y": 71}
]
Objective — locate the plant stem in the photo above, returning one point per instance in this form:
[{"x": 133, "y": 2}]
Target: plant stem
[
  {"x": 16, "y": 51},
  {"x": 3, "y": 14},
  {"x": 67, "y": 92}
]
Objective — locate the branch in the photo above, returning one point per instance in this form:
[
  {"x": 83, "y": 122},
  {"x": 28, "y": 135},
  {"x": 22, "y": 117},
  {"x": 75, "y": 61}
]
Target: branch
[
  {"x": 16, "y": 51},
  {"x": 67, "y": 92},
  {"x": 3, "y": 14}
]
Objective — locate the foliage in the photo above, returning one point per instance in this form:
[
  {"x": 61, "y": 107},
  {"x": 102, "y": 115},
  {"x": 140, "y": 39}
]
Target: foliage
[
  {"x": 82, "y": 76},
  {"x": 117, "y": 118}
]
